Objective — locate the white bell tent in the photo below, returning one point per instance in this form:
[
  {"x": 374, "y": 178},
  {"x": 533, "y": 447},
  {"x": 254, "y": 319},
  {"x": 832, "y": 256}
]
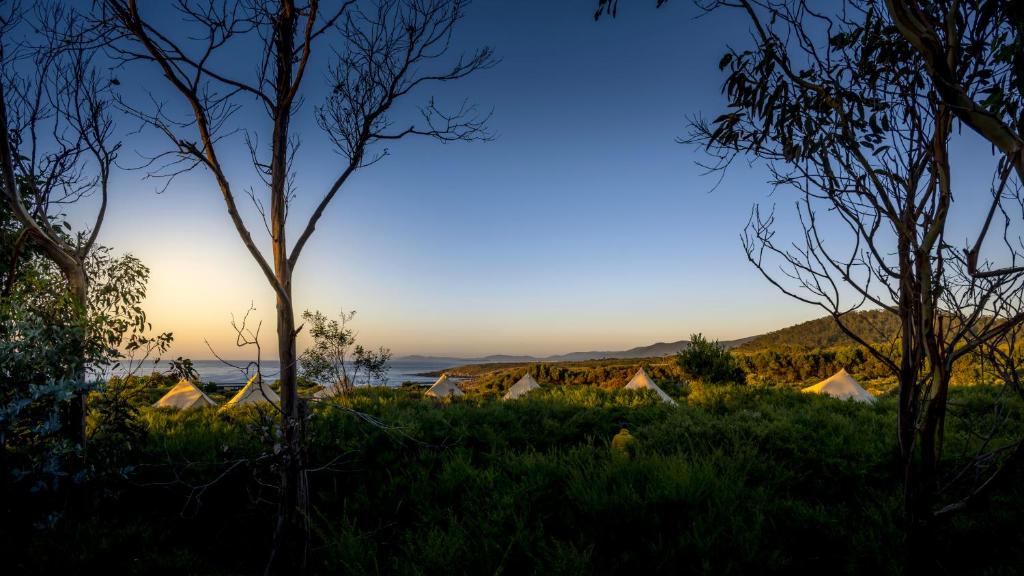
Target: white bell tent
[
  {"x": 443, "y": 388},
  {"x": 524, "y": 386},
  {"x": 841, "y": 385},
  {"x": 255, "y": 392},
  {"x": 184, "y": 396},
  {"x": 641, "y": 381}
]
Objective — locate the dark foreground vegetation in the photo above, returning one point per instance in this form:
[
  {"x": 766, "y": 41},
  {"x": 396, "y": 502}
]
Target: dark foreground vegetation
[{"x": 735, "y": 480}]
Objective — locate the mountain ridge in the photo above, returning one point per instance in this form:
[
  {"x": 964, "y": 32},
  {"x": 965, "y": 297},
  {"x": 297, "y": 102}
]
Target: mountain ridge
[
  {"x": 656, "y": 350},
  {"x": 872, "y": 325}
]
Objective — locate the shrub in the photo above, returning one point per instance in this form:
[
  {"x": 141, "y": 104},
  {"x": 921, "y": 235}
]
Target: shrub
[
  {"x": 709, "y": 362},
  {"x": 735, "y": 480},
  {"x": 115, "y": 428}
]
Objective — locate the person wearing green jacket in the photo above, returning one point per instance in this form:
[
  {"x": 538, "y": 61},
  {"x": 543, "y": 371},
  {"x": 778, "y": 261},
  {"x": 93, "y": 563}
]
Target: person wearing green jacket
[{"x": 624, "y": 445}]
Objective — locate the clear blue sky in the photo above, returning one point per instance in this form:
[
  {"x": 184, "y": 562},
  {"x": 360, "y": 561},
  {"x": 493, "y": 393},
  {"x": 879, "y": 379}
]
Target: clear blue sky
[{"x": 582, "y": 226}]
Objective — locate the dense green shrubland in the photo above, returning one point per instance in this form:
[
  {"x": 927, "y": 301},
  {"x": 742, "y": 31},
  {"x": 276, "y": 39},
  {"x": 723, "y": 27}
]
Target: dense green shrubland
[
  {"x": 871, "y": 325},
  {"x": 786, "y": 368},
  {"x": 602, "y": 374},
  {"x": 735, "y": 480}
]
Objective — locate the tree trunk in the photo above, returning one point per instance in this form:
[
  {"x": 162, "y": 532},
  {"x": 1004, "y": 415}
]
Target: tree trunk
[
  {"x": 288, "y": 555},
  {"x": 920, "y": 528},
  {"x": 916, "y": 528},
  {"x": 929, "y": 402},
  {"x": 78, "y": 283}
]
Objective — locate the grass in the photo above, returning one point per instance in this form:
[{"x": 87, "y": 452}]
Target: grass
[{"x": 733, "y": 481}]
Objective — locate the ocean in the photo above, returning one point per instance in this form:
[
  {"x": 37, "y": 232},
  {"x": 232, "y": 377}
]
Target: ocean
[{"x": 399, "y": 370}]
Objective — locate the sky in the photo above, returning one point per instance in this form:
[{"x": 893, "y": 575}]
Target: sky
[{"x": 583, "y": 226}]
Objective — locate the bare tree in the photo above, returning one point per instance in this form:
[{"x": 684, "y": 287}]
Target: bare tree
[
  {"x": 854, "y": 127},
  {"x": 611, "y": 8},
  {"x": 382, "y": 54},
  {"x": 56, "y": 147}
]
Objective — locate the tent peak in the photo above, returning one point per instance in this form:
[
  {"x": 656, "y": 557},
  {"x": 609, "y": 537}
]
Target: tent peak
[
  {"x": 841, "y": 385},
  {"x": 443, "y": 388},
  {"x": 183, "y": 396},
  {"x": 523, "y": 386},
  {"x": 642, "y": 381}
]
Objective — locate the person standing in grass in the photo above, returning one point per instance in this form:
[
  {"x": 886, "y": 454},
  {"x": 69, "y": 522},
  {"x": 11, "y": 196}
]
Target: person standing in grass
[{"x": 624, "y": 445}]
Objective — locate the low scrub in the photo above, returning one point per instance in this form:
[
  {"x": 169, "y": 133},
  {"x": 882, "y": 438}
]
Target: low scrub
[{"x": 735, "y": 480}]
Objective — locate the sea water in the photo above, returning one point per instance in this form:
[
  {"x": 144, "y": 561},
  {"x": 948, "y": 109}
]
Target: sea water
[{"x": 399, "y": 370}]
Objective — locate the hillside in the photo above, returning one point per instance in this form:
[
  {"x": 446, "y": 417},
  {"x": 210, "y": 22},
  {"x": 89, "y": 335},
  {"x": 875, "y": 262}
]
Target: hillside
[
  {"x": 653, "y": 351},
  {"x": 475, "y": 370},
  {"x": 656, "y": 350},
  {"x": 872, "y": 325}
]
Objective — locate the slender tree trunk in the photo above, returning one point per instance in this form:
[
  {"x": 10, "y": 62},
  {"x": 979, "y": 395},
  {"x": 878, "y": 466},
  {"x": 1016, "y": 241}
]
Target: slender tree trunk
[
  {"x": 78, "y": 283},
  {"x": 929, "y": 402},
  {"x": 906, "y": 420},
  {"x": 922, "y": 462},
  {"x": 287, "y": 555}
]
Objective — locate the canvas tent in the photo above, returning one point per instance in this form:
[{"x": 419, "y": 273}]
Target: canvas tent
[
  {"x": 841, "y": 385},
  {"x": 525, "y": 385},
  {"x": 443, "y": 388},
  {"x": 255, "y": 392},
  {"x": 641, "y": 381},
  {"x": 184, "y": 396}
]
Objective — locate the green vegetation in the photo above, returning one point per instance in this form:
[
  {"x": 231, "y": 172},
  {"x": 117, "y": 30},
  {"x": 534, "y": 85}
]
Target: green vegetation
[
  {"x": 872, "y": 325},
  {"x": 787, "y": 368},
  {"x": 493, "y": 380},
  {"x": 735, "y": 480},
  {"x": 709, "y": 362},
  {"x": 334, "y": 360}
]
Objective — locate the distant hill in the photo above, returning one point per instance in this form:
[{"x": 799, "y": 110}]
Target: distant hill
[
  {"x": 652, "y": 351},
  {"x": 656, "y": 350},
  {"x": 871, "y": 325}
]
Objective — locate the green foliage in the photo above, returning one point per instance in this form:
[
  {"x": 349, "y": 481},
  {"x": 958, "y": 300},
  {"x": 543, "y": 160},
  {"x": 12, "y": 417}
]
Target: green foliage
[
  {"x": 871, "y": 325},
  {"x": 116, "y": 432},
  {"x": 40, "y": 357},
  {"x": 798, "y": 365},
  {"x": 735, "y": 480},
  {"x": 44, "y": 346},
  {"x": 182, "y": 369},
  {"x": 785, "y": 366},
  {"x": 35, "y": 452},
  {"x": 117, "y": 323},
  {"x": 335, "y": 360},
  {"x": 792, "y": 366},
  {"x": 709, "y": 362},
  {"x": 495, "y": 379}
]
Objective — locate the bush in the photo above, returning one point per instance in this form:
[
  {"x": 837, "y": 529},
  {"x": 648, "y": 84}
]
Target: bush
[
  {"x": 709, "y": 362},
  {"x": 735, "y": 480},
  {"x": 116, "y": 432}
]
